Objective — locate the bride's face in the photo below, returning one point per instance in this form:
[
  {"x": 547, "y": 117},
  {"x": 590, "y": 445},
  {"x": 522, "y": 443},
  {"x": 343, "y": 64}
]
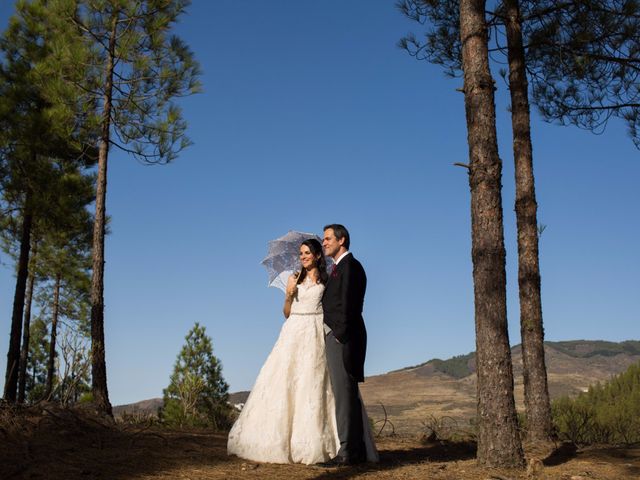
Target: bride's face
[{"x": 307, "y": 260}]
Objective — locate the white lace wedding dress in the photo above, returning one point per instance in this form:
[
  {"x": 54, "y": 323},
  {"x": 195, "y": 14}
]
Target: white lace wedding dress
[{"x": 289, "y": 416}]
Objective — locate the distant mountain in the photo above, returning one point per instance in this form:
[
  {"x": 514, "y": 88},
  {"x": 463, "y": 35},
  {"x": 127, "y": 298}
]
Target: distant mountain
[
  {"x": 144, "y": 407},
  {"x": 238, "y": 397},
  {"x": 151, "y": 406},
  {"x": 448, "y": 387},
  {"x": 463, "y": 365},
  {"x": 591, "y": 348}
]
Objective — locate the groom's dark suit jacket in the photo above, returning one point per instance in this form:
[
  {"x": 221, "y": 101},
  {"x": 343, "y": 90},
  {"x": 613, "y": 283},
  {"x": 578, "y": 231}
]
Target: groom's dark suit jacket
[{"x": 342, "y": 305}]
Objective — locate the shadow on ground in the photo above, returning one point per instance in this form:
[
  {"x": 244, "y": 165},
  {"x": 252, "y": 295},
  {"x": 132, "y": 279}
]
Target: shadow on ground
[
  {"x": 59, "y": 444},
  {"x": 627, "y": 457},
  {"x": 392, "y": 459},
  {"x": 63, "y": 444},
  {"x": 560, "y": 455}
]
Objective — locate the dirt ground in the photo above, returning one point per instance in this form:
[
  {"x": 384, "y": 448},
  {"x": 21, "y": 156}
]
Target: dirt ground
[{"x": 58, "y": 444}]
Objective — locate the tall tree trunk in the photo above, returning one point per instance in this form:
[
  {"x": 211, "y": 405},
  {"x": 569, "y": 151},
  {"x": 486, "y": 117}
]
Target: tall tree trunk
[
  {"x": 51, "y": 366},
  {"x": 536, "y": 392},
  {"x": 98, "y": 357},
  {"x": 499, "y": 442},
  {"x": 13, "y": 356},
  {"x": 26, "y": 332}
]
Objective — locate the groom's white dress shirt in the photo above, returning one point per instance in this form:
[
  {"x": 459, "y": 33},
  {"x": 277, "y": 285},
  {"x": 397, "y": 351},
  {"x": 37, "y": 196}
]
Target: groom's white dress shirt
[{"x": 342, "y": 256}]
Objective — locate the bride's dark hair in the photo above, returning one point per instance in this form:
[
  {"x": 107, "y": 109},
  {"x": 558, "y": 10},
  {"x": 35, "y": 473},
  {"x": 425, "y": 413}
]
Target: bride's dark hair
[{"x": 316, "y": 248}]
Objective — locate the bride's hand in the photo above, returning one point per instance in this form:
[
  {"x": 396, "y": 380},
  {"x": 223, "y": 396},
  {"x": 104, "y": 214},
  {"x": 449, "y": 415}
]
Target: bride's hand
[{"x": 292, "y": 287}]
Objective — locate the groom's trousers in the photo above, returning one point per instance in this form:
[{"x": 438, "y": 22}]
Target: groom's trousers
[{"x": 348, "y": 405}]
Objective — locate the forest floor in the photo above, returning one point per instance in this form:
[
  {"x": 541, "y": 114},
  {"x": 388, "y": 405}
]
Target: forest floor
[{"x": 56, "y": 444}]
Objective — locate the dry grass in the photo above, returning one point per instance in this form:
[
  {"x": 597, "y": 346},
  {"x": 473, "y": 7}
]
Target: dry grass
[
  {"x": 410, "y": 399},
  {"x": 54, "y": 444}
]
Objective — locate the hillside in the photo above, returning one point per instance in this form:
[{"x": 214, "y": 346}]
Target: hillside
[
  {"x": 145, "y": 407},
  {"x": 447, "y": 387}
]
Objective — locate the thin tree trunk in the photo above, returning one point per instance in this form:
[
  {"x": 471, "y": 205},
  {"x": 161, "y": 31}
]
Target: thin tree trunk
[
  {"x": 499, "y": 442},
  {"x": 13, "y": 356},
  {"x": 98, "y": 356},
  {"x": 54, "y": 334},
  {"x": 536, "y": 392},
  {"x": 26, "y": 332}
]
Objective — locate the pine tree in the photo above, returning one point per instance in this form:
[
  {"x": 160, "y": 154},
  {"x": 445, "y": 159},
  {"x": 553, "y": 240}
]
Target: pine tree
[
  {"x": 37, "y": 360},
  {"x": 458, "y": 40},
  {"x": 34, "y": 130},
  {"x": 137, "y": 70},
  {"x": 197, "y": 393},
  {"x": 26, "y": 324},
  {"x": 65, "y": 252},
  {"x": 498, "y": 437},
  {"x": 443, "y": 46},
  {"x": 582, "y": 61},
  {"x": 536, "y": 390}
]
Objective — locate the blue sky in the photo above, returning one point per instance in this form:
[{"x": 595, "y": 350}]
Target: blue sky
[{"x": 311, "y": 115}]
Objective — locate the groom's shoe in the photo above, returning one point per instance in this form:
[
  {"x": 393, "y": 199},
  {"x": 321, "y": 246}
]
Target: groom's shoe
[
  {"x": 356, "y": 459},
  {"x": 340, "y": 461},
  {"x": 335, "y": 462}
]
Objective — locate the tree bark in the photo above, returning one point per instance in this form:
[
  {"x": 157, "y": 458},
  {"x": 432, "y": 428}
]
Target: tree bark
[
  {"x": 13, "y": 356},
  {"x": 52, "y": 345},
  {"x": 536, "y": 393},
  {"x": 98, "y": 356},
  {"x": 499, "y": 442},
  {"x": 26, "y": 326}
]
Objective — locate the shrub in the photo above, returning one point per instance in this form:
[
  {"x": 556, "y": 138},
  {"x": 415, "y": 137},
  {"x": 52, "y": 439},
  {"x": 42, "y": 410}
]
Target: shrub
[
  {"x": 197, "y": 394},
  {"x": 608, "y": 413}
]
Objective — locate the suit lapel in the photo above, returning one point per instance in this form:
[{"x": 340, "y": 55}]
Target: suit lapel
[{"x": 339, "y": 269}]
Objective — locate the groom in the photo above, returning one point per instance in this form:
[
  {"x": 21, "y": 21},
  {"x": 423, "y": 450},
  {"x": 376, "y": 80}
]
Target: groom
[{"x": 346, "y": 341}]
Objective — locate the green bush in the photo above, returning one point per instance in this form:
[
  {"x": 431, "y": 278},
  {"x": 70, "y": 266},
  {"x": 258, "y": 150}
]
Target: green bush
[
  {"x": 608, "y": 413},
  {"x": 197, "y": 394},
  {"x": 86, "y": 397}
]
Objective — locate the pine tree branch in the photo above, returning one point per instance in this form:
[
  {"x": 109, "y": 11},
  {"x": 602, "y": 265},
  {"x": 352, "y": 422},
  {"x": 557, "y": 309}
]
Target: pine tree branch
[
  {"x": 147, "y": 157},
  {"x": 616, "y": 106},
  {"x": 558, "y": 7},
  {"x": 84, "y": 28}
]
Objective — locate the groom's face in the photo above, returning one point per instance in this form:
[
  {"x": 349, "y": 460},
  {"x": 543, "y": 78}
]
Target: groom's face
[{"x": 331, "y": 244}]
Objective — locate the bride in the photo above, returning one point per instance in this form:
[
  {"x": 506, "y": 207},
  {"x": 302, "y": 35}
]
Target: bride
[{"x": 289, "y": 416}]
